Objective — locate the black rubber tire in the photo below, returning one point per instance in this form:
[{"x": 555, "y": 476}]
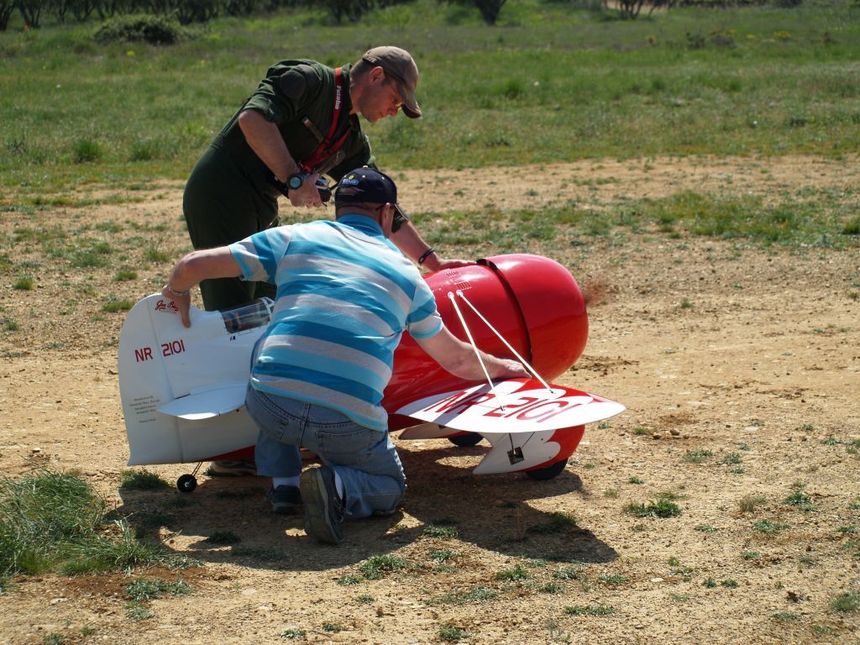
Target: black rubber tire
[
  {"x": 466, "y": 440},
  {"x": 544, "y": 474},
  {"x": 186, "y": 484}
]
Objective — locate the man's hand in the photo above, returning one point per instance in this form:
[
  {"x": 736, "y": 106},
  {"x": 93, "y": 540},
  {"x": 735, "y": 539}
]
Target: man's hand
[
  {"x": 308, "y": 195},
  {"x": 182, "y": 301},
  {"x": 509, "y": 368},
  {"x": 435, "y": 263}
]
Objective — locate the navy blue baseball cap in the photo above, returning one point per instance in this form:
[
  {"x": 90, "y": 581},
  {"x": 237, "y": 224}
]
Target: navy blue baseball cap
[
  {"x": 365, "y": 185},
  {"x": 368, "y": 186}
]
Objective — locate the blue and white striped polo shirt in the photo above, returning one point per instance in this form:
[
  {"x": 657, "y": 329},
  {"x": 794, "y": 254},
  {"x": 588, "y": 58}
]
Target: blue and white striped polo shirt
[{"x": 345, "y": 296}]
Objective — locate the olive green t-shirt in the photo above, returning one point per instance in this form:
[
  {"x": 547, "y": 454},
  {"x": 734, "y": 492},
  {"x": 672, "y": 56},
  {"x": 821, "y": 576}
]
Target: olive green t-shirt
[{"x": 291, "y": 91}]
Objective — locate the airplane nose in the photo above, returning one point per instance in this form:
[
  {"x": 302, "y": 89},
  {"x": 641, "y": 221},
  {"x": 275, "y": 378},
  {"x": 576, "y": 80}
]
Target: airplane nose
[{"x": 534, "y": 302}]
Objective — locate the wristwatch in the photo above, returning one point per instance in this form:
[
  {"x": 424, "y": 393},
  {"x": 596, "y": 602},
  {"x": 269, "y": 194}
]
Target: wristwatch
[{"x": 294, "y": 182}]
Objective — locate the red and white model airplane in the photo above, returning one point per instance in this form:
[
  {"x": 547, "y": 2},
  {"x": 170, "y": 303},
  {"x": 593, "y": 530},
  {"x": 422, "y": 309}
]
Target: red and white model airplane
[{"x": 183, "y": 390}]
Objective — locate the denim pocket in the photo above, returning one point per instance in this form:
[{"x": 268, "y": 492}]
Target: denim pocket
[{"x": 278, "y": 417}]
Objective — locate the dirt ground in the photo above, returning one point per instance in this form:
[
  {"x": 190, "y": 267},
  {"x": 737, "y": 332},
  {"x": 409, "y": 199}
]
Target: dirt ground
[{"x": 740, "y": 370}]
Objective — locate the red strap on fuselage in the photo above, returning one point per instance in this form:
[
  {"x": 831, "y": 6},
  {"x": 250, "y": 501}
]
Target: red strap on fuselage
[{"x": 327, "y": 146}]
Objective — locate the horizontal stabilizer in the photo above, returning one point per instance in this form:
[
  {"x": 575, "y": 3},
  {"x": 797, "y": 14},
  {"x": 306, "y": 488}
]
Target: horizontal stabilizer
[{"x": 208, "y": 403}]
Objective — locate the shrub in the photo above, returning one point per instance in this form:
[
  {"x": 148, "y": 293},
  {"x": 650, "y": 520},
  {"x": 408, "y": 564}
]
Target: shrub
[
  {"x": 155, "y": 30},
  {"x": 87, "y": 150},
  {"x": 489, "y": 9}
]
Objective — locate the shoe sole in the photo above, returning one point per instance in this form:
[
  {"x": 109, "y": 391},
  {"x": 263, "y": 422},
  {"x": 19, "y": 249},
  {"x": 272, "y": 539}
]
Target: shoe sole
[{"x": 316, "y": 501}]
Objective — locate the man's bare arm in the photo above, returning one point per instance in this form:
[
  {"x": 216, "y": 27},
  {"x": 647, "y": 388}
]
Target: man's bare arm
[
  {"x": 194, "y": 267},
  {"x": 265, "y": 140},
  {"x": 459, "y": 358},
  {"x": 413, "y": 246}
]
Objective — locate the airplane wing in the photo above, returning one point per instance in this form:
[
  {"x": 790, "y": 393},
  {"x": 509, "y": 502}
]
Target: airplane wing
[
  {"x": 513, "y": 406},
  {"x": 528, "y": 425}
]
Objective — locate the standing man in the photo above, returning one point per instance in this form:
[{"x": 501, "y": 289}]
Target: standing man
[
  {"x": 345, "y": 295},
  {"x": 301, "y": 121}
]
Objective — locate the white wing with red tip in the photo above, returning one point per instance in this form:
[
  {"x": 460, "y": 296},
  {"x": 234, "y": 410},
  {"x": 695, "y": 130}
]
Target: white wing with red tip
[{"x": 513, "y": 406}]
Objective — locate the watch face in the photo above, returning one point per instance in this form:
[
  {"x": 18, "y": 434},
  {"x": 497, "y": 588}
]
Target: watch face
[{"x": 295, "y": 181}]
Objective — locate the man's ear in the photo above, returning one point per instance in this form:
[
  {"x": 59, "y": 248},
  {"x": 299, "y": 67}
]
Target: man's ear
[
  {"x": 387, "y": 219},
  {"x": 377, "y": 74}
]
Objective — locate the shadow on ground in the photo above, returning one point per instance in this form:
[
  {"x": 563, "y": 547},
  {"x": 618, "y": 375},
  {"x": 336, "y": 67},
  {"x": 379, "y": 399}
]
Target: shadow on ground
[{"x": 229, "y": 519}]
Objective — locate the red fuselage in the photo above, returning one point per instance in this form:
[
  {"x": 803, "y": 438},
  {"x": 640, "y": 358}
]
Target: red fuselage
[{"x": 532, "y": 301}]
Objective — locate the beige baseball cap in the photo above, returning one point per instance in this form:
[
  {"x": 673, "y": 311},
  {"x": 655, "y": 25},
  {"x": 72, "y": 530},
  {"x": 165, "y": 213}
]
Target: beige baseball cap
[{"x": 400, "y": 67}]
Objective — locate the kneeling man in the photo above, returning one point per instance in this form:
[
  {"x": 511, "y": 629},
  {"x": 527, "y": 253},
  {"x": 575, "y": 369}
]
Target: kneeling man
[{"x": 345, "y": 295}]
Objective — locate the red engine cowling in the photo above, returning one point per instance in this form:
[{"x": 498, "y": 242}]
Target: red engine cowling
[{"x": 534, "y": 302}]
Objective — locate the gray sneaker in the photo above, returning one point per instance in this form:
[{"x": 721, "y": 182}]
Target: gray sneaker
[
  {"x": 285, "y": 499},
  {"x": 323, "y": 506}
]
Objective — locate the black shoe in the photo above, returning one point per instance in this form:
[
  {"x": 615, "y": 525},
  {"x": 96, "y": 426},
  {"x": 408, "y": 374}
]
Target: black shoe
[
  {"x": 323, "y": 506},
  {"x": 285, "y": 499},
  {"x": 235, "y": 468}
]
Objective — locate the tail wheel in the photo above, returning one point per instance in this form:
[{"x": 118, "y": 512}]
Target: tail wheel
[
  {"x": 186, "y": 483},
  {"x": 547, "y": 472}
]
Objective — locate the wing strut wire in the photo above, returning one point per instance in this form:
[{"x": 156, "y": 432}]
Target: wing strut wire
[
  {"x": 474, "y": 346},
  {"x": 496, "y": 332}
]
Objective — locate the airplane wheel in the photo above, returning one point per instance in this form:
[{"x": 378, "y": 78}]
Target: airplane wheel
[
  {"x": 543, "y": 474},
  {"x": 466, "y": 440},
  {"x": 186, "y": 483}
]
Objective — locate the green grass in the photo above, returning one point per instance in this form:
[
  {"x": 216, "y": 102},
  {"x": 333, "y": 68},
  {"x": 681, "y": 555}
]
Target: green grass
[
  {"x": 439, "y": 530},
  {"x": 293, "y": 634},
  {"x": 114, "y": 305},
  {"x": 731, "y": 459},
  {"x": 125, "y": 275},
  {"x": 658, "y": 508},
  {"x": 348, "y": 580},
  {"x": 589, "y": 610},
  {"x": 816, "y": 218},
  {"x": 769, "y": 526},
  {"x": 613, "y": 578},
  {"x": 143, "y": 589},
  {"x": 697, "y": 456},
  {"x": 24, "y": 283},
  {"x": 443, "y": 555},
  {"x": 690, "y": 81},
  {"x": 846, "y": 602},
  {"x": 55, "y": 522},
  {"x": 515, "y": 574},
  {"x": 799, "y": 498},
  {"x": 452, "y": 633},
  {"x": 569, "y": 573},
  {"x": 141, "y": 480},
  {"x": 378, "y": 566}
]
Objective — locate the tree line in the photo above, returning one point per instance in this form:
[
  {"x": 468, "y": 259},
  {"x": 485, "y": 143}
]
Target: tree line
[{"x": 34, "y": 12}]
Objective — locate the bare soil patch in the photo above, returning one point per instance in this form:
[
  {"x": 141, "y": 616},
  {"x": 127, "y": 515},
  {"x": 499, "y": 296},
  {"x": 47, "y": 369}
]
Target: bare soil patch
[{"x": 740, "y": 368}]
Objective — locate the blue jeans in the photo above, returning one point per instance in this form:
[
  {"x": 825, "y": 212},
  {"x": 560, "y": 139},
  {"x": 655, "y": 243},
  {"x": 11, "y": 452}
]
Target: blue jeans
[{"x": 365, "y": 459}]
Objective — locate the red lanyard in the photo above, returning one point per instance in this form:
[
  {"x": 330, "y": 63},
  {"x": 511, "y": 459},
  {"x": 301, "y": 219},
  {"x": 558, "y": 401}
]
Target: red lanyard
[{"x": 327, "y": 147}]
